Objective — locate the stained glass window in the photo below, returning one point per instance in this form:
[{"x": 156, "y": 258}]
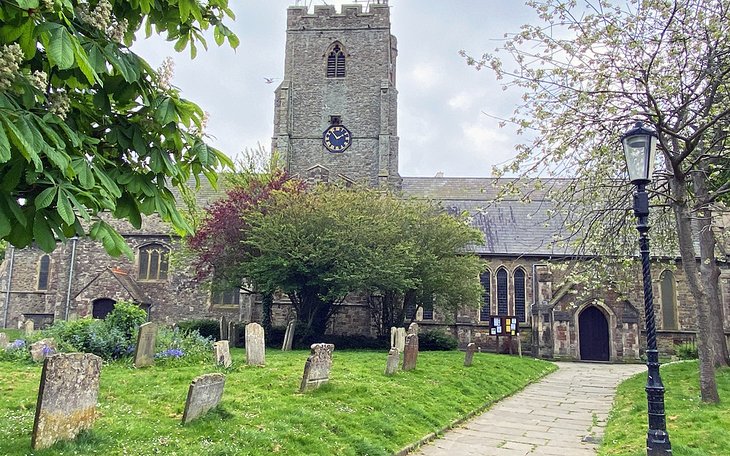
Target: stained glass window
[
  {"x": 153, "y": 262},
  {"x": 519, "y": 283},
  {"x": 502, "y": 307},
  {"x": 486, "y": 280}
]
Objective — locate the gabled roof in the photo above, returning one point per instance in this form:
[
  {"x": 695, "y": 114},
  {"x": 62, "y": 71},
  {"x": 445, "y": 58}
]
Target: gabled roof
[{"x": 126, "y": 282}]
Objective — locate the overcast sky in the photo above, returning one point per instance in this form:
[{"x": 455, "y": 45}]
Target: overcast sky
[{"x": 440, "y": 121}]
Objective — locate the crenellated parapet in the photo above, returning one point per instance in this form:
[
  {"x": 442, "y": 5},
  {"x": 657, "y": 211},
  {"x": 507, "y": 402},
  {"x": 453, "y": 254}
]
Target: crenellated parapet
[{"x": 350, "y": 17}]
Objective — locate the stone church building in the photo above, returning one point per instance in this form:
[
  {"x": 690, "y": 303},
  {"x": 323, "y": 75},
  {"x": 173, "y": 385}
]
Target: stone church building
[{"x": 336, "y": 121}]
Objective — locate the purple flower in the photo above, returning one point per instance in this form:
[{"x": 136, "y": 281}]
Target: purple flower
[
  {"x": 171, "y": 353},
  {"x": 47, "y": 351},
  {"x": 17, "y": 343}
]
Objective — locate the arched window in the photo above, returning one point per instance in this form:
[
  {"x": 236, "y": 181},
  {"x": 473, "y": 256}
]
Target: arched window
[
  {"x": 669, "y": 300},
  {"x": 518, "y": 280},
  {"x": 153, "y": 262},
  {"x": 486, "y": 280},
  {"x": 227, "y": 297},
  {"x": 44, "y": 270},
  {"x": 336, "y": 62},
  {"x": 502, "y": 307},
  {"x": 427, "y": 310}
]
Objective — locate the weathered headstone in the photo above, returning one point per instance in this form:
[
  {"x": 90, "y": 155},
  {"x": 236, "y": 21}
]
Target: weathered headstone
[
  {"x": 223, "y": 328},
  {"x": 255, "y": 348},
  {"x": 398, "y": 338},
  {"x": 29, "y": 327},
  {"x": 42, "y": 349},
  {"x": 66, "y": 398},
  {"x": 317, "y": 368},
  {"x": 410, "y": 354},
  {"x": 235, "y": 334},
  {"x": 3, "y": 341},
  {"x": 391, "y": 365},
  {"x": 144, "y": 354},
  {"x": 469, "y": 356},
  {"x": 222, "y": 353},
  {"x": 413, "y": 328},
  {"x": 205, "y": 393},
  {"x": 288, "y": 336}
]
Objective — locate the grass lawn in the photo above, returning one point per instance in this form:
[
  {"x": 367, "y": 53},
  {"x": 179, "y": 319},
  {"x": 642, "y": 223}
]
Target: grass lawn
[
  {"x": 360, "y": 412},
  {"x": 695, "y": 429}
]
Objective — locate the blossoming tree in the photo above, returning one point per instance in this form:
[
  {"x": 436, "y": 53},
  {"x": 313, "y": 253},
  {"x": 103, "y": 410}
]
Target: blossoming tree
[{"x": 87, "y": 125}]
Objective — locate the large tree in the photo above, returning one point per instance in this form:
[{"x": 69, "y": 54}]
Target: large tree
[
  {"x": 588, "y": 72},
  {"x": 87, "y": 125}
]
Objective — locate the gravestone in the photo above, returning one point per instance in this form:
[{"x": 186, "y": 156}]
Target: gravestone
[
  {"x": 317, "y": 368},
  {"x": 413, "y": 328},
  {"x": 410, "y": 355},
  {"x": 222, "y": 353},
  {"x": 3, "y": 341},
  {"x": 398, "y": 338},
  {"x": 205, "y": 393},
  {"x": 391, "y": 365},
  {"x": 223, "y": 328},
  {"x": 66, "y": 398},
  {"x": 42, "y": 349},
  {"x": 235, "y": 334},
  {"x": 255, "y": 348},
  {"x": 144, "y": 353},
  {"x": 469, "y": 356},
  {"x": 29, "y": 327},
  {"x": 288, "y": 336}
]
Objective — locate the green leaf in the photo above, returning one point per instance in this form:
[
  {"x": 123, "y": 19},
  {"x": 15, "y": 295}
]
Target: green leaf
[
  {"x": 42, "y": 233},
  {"x": 165, "y": 112},
  {"x": 27, "y": 4},
  {"x": 85, "y": 65},
  {"x": 233, "y": 40},
  {"x": 185, "y": 6},
  {"x": 22, "y": 141},
  {"x": 5, "y": 226},
  {"x": 107, "y": 183},
  {"x": 5, "y": 154},
  {"x": 45, "y": 198},
  {"x": 61, "y": 48},
  {"x": 64, "y": 208}
]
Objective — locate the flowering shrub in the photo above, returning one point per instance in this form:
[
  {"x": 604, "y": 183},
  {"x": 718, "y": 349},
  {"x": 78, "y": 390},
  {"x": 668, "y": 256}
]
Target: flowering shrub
[
  {"x": 171, "y": 353},
  {"x": 182, "y": 347},
  {"x": 16, "y": 351}
]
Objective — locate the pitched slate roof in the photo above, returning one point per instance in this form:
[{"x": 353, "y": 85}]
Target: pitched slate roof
[{"x": 511, "y": 226}]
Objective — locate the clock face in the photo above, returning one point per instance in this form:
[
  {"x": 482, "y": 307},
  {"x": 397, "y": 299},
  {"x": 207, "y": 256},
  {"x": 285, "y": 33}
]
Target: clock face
[{"x": 336, "y": 138}]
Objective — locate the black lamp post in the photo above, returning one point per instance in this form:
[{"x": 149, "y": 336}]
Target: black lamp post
[{"x": 640, "y": 149}]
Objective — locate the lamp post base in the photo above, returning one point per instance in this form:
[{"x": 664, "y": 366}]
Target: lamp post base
[{"x": 657, "y": 443}]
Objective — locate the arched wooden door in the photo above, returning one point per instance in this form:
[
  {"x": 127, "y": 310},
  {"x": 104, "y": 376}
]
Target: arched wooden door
[
  {"x": 593, "y": 328},
  {"x": 100, "y": 308}
]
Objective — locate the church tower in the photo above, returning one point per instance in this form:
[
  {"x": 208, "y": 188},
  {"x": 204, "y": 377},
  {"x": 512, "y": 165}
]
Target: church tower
[{"x": 335, "y": 110}]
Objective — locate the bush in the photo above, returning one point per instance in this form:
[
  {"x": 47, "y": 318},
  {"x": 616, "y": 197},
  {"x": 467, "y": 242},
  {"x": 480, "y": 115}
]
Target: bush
[
  {"x": 436, "y": 341},
  {"x": 687, "y": 350},
  {"x": 176, "y": 347},
  {"x": 126, "y": 317},
  {"x": 15, "y": 351},
  {"x": 207, "y": 328},
  {"x": 275, "y": 336},
  {"x": 91, "y": 336}
]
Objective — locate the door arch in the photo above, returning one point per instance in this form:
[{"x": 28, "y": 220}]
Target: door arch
[
  {"x": 100, "y": 308},
  {"x": 593, "y": 335}
]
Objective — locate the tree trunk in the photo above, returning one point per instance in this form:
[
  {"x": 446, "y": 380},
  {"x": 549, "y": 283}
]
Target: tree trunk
[
  {"x": 708, "y": 385},
  {"x": 709, "y": 271},
  {"x": 312, "y": 314}
]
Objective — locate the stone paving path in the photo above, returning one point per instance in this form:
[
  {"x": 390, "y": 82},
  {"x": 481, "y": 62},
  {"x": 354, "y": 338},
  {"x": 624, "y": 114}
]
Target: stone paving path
[{"x": 563, "y": 414}]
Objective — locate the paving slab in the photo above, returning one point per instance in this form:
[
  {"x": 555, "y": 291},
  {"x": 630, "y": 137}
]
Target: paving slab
[{"x": 550, "y": 417}]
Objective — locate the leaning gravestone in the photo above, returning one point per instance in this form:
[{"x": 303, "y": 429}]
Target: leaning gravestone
[
  {"x": 222, "y": 353},
  {"x": 42, "y": 349},
  {"x": 288, "y": 336},
  {"x": 3, "y": 341},
  {"x": 469, "y": 356},
  {"x": 410, "y": 355},
  {"x": 391, "y": 365},
  {"x": 144, "y": 354},
  {"x": 398, "y": 338},
  {"x": 255, "y": 348},
  {"x": 205, "y": 393},
  {"x": 317, "y": 368},
  {"x": 29, "y": 327},
  {"x": 413, "y": 328},
  {"x": 223, "y": 328},
  {"x": 66, "y": 398}
]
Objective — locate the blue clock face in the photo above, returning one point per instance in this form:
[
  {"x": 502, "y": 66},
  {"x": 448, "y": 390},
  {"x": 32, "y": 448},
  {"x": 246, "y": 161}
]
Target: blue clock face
[{"x": 336, "y": 138}]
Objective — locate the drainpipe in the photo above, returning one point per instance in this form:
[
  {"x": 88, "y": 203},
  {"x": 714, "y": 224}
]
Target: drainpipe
[
  {"x": 74, "y": 240},
  {"x": 7, "y": 288}
]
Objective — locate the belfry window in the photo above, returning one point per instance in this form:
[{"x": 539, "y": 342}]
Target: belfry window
[
  {"x": 153, "y": 262},
  {"x": 336, "y": 63},
  {"x": 519, "y": 286},
  {"x": 502, "y": 306},
  {"x": 44, "y": 269},
  {"x": 485, "y": 278}
]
